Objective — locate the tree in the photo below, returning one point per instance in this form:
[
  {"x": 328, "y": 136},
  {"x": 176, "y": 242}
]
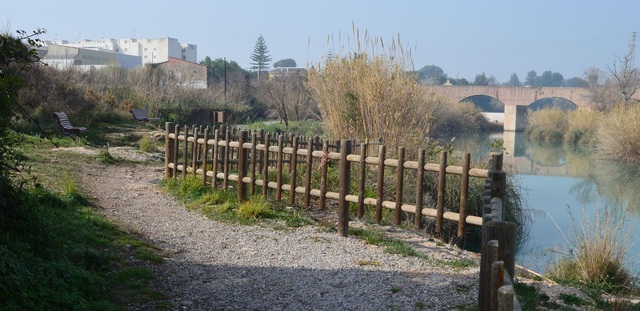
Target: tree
[
  {"x": 432, "y": 74},
  {"x": 549, "y": 78},
  {"x": 531, "y": 79},
  {"x": 514, "y": 80},
  {"x": 287, "y": 97},
  {"x": 287, "y": 62},
  {"x": 17, "y": 55},
  {"x": 626, "y": 76},
  {"x": 481, "y": 79},
  {"x": 260, "y": 56},
  {"x": 219, "y": 65}
]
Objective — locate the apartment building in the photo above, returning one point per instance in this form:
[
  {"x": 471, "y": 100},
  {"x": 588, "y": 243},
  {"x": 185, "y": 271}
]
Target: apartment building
[{"x": 151, "y": 51}]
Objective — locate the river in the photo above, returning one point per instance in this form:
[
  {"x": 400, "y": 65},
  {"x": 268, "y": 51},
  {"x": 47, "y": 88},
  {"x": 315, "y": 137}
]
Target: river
[{"x": 564, "y": 188}]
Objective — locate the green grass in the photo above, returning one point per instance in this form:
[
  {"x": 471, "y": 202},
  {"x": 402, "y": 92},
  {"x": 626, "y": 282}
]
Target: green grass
[
  {"x": 222, "y": 205},
  {"x": 57, "y": 253}
]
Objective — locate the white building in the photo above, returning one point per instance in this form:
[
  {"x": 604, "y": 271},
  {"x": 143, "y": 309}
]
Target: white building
[
  {"x": 64, "y": 57},
  {"x": 151, "y": 51}
]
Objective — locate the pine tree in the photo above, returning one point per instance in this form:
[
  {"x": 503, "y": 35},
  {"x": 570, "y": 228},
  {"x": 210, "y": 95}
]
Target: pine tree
[{"x": 260, "y": 56}]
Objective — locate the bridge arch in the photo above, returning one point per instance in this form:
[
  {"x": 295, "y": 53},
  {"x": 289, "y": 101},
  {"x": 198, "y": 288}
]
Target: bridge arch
[{"x": 516, "y": 99}]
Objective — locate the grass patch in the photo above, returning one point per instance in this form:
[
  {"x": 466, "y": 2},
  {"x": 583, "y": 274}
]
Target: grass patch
[
  {"x": 391, "y": 246},
  {"x": 597, "y": 251},
  {"x": 222, "y": 205},
  {"x": 57, "y": 253}
]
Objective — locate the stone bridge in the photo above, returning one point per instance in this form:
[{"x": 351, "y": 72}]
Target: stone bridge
[{"x": 515, "y": 99}]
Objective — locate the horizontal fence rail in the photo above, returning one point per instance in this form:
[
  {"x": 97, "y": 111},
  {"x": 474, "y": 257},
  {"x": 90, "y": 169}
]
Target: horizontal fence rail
[{"x": 225, "y": 155}]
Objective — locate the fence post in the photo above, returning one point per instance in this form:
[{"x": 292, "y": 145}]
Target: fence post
[
  {"x": 324, "y": 166},
  {"x": 399, "y": 185},
  {"x": 205, "y": 154},
  {"x": 362, "y": 179},
  {"x": 265, "y": 165},
  {"x": 345, "y": 178},
  {"x": 442, "y": 183},
  {"x": 252, "y": 189},
  {"x": 215, "y": 155},
  {"x": 488, "y": 256},
  {"x": 168, "y": 152},
  {"x": 176, "y": 144},
  {"x": 242, "y": 167},
  {"x": 185, "y": 152},
  {"x": 279, "y": 169},
  {"x": 225, "y": 159},
  {"x": 497, "y": 280},
  {"x": 419, "y": 192},
  {"x": 505, "y": 298},
  {"x": 307, "y": 177},
  {"x": 380, "y": 185},
  {"x": 293, "y": 166},
  {"x": 464, "y": 194},
  {"x": 194, "y": 150}
]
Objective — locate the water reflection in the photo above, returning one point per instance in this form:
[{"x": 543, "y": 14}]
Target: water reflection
[{"x": 557, "y": 179}]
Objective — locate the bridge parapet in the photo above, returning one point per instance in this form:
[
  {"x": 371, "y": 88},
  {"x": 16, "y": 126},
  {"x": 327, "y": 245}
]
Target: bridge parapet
[{"x": 514, "y": 95}]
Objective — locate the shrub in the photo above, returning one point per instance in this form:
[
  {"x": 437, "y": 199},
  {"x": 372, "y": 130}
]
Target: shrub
[
  {"x": 618, "y": 135},
  {"x": 369, "y": 95},
  {"x": 597, "y": 251},
  {"x": 147, "y": 144}
]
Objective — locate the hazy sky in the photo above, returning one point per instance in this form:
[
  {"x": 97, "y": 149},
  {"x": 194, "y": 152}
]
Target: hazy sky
[{"x": 464, "y": 38}]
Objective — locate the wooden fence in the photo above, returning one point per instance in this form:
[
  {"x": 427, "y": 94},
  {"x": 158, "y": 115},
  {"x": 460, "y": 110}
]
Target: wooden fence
[
  {"x": 212, "y": 154},
  {"x": 221, "y": 155}
]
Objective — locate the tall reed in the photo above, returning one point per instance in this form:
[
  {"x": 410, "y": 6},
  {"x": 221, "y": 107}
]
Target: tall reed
[
  {"x": 597, "y": 251},
  {"x": 363, "y": 93},
  {"x": 618, "y": 135}
]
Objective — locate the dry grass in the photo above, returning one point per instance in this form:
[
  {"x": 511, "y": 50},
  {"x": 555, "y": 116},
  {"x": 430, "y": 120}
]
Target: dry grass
[
  {"x": 618, "y": 135},
  {"x": 597, "y": 251},
  {"x": 363, "y": 93}
]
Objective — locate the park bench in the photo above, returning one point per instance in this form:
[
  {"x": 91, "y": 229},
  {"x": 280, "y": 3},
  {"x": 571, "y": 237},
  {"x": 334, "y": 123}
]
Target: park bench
[
  {"x": 66, "y": 129},
  {"x": 141, "y": 116}
]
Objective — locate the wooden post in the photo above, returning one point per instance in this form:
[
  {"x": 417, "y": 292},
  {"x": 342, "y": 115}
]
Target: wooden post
[
  {"x": 362, "y": 179},
  {"x": 442, "y": 183},
  {"x": 324, "y": 166},
  {"x": 265, "y": 166},
  {"x": 194, "y": 150},
  {"x": 242, "y": 167},
  {"x": 168, "y": 152},
  {"x": 505, "y": 298},
  {"x": 176, "y": 145},
  {"x": 185, "y": 152},
  {"x": 225, "y": 159},
  {"x": 307, "y": 177},
  {"x": 345, "y": 181},
  {"x": 380, "y": 184},
  {"x": 399, "y": 185},
  {"x": 419, "y": 192},
  {"x": 215, "y": 156},
  {"x": 497, "y": 279},
  {"x": 279, "y": 169},
  {"x": 205, "y": 155},
  {"x": 505, "y": 233},
  {"x": 464, "y": 194},
  {"x": 488, "y": 256},
  {"x": 253, "y": 157},
  {"x": 293, "y": 166}
]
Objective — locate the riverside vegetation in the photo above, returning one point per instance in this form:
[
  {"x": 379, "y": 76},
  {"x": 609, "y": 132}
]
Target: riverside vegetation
[{"x": 53, "y": 228}]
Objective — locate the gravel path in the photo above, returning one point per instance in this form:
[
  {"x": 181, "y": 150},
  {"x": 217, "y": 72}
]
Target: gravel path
[{"x": 215, "y": 266}]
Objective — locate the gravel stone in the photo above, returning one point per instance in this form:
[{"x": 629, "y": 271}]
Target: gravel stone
[{"x": 215, "y": 266}]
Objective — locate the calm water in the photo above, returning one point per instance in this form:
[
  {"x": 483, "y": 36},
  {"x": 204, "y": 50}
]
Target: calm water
[{"x": 559, "y": 183}]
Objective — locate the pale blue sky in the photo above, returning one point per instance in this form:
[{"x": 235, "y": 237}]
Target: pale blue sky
[{"x": 464, "y": 38}]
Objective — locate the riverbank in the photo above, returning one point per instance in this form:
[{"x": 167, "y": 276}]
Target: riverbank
[{"x": 209, "y": 265}]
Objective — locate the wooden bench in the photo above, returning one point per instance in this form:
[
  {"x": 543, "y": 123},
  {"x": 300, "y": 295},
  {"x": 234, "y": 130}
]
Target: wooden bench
[
  {"x": 141, "y": 116},
  {"x": 65, "y": 127}
]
